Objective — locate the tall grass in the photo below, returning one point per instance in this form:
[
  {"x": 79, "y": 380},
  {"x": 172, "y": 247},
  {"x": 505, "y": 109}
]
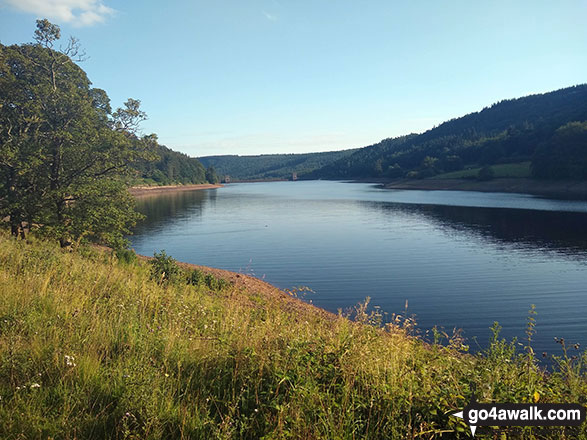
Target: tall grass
[{"x": 93, "y": 347}]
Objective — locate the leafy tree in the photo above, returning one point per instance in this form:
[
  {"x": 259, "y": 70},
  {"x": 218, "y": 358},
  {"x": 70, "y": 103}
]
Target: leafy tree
[
  {"x": 564, "y": 155},
  {"x": 169, "y": 167},
  {"x": 211, "y": 175},
  {"x": 64, "y": 156},
  {"x": 394, "y": 171}
]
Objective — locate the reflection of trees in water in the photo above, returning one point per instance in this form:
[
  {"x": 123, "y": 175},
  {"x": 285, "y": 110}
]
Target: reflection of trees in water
[
  {"x": 163, "y": 208},
  {"x": 563, "y": 232}
]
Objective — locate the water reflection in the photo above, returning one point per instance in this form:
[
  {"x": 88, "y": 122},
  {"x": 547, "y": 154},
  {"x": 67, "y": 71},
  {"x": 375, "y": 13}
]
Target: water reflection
[
  {"x": 462, "y": 260},
  {"x": 561, "y": 232},
  {"x": 564, "y": 232},
  {"x": 163, "y": 209}
]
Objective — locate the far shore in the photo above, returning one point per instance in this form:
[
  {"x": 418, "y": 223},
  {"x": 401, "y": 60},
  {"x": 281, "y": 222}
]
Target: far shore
[
  {"x": 139, "y": 191},
  {"x": 563, "y": 189},
  {"x": 556, "y": 189}
]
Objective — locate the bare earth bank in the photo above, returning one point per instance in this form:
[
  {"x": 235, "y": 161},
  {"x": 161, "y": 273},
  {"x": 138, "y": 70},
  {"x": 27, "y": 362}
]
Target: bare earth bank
[
  {"x": 250, "y": 285},
  {"x": 558, "y": 189},
  {"x": 138, "y": 191}
]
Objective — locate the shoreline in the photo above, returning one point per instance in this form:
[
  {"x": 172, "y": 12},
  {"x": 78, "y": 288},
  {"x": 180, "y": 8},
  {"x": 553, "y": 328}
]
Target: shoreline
[
  {"x": 253, "y": 285},
  {"x": 139, "y": 191},
  {"x": 575, "y": 190}
]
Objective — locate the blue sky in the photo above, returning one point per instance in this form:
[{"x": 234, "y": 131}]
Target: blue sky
[{"x": 277, "y": 76}]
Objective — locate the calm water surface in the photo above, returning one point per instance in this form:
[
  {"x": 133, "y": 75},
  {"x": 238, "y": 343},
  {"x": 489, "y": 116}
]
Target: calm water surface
[{"x": 460, "y": 259}]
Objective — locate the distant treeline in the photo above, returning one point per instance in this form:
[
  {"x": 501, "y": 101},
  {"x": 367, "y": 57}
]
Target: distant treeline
[
  {"x": 171, "y": 167},
  {"x": 271, "y": 166},
  {"x": 550, "y": 130}
]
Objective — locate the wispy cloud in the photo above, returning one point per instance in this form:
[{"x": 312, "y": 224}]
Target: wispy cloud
[
  {"x": 77, "y": 12},
  {"x": 269, "y": 16}
]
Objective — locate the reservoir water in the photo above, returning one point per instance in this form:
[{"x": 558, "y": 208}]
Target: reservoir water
[{"x": 459, "y": 259}]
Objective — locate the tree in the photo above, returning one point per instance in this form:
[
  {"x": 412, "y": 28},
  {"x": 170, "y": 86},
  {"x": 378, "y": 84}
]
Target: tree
[
  {"x": 564, "y": 155},
  {"x": 211, "y": 175},
  {"x": 65, "y": 158}
]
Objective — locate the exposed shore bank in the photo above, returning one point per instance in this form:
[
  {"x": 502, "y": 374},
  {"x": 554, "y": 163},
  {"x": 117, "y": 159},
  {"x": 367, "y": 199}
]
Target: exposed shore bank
[
  {"x": 139, "y": 191},
  {"x": 556, "y": 189},
  {"x": 252, "y": 285}
]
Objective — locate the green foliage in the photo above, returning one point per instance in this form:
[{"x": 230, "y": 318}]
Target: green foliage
[
  {"x": 196, "y": 277},
  {"x": 169, "y": 167},
  {"x": 211, "y": 175},
  {"x": 271, "y": 166},
  {"x": 507, "y": 132},
  {"x": 64, "y": 158},
  {"x": 47, "y": 33},
  {"x": 90, "y": 348},
  {"x": 126, "y": 256},
  {"x": 564, "y": 155},
  {"x": 164, "y": 268}
]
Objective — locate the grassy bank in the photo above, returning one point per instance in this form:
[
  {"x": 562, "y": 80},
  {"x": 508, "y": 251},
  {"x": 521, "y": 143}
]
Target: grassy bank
[
  {"x": 507, "y": 170},
  {"x": 95, "y": 347}
]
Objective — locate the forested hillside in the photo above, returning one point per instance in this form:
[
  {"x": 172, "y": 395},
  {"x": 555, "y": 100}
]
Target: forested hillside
[
  {"x": 547, "y": 129},
  {"x": 170, "y": 167},
  {"x": 271, "y": 166}
]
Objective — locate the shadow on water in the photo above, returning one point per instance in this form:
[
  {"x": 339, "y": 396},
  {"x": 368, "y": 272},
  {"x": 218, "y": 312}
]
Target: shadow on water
[
  {"x": 162, "y": 209},
  {"x": 562, "y": 232},
  {"x": 559, "y": 231}
]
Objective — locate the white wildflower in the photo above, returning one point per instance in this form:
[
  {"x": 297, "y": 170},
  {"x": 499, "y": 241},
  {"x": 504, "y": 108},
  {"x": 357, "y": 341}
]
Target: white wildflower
[
  {"x": 70, "y": 361},
  {"x": 35, "y": 385}
]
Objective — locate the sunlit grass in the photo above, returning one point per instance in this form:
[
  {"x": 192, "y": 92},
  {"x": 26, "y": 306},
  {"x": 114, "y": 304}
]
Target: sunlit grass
[
  {"x": 94, "y": 347},
  {"x": 520, "y": 169}
]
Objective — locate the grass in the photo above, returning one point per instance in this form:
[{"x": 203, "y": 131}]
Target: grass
[
  {"x": 93, "y": 347},
  {"x": 521, "y": 169}
]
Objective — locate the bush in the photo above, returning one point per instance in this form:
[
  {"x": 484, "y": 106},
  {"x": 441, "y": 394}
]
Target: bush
[
  {"x": 164, "y": 269},
  {"x": 195, "y": 277},
  {"x": 486, "y": 173},
  {"x": 126, "y": 256},
  {"x": 198, "y": 278},
  {"x": 215, "y": 283}
]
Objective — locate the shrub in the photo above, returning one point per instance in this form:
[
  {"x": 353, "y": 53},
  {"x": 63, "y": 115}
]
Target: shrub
[
  {"x": 164, "y": 269},
  {"x": 126, "y": 256},
  {"x": 486, "y": 173},
  {"x": 195, "y": 277},
  {"x": 198, "y": 278}
]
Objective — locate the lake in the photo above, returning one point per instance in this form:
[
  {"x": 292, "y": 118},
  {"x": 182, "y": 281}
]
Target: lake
[{"x": 459, "y": 259}]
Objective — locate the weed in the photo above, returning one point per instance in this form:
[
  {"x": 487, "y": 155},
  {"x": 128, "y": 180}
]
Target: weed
[{"x": 151, "y": 350}]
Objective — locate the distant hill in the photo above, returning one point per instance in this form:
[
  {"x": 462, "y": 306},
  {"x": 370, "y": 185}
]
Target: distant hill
[
  {"x": 170, "y": 167},
  {"x": 547, "y": 129},
  {"x": 271, "y": 166}
]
